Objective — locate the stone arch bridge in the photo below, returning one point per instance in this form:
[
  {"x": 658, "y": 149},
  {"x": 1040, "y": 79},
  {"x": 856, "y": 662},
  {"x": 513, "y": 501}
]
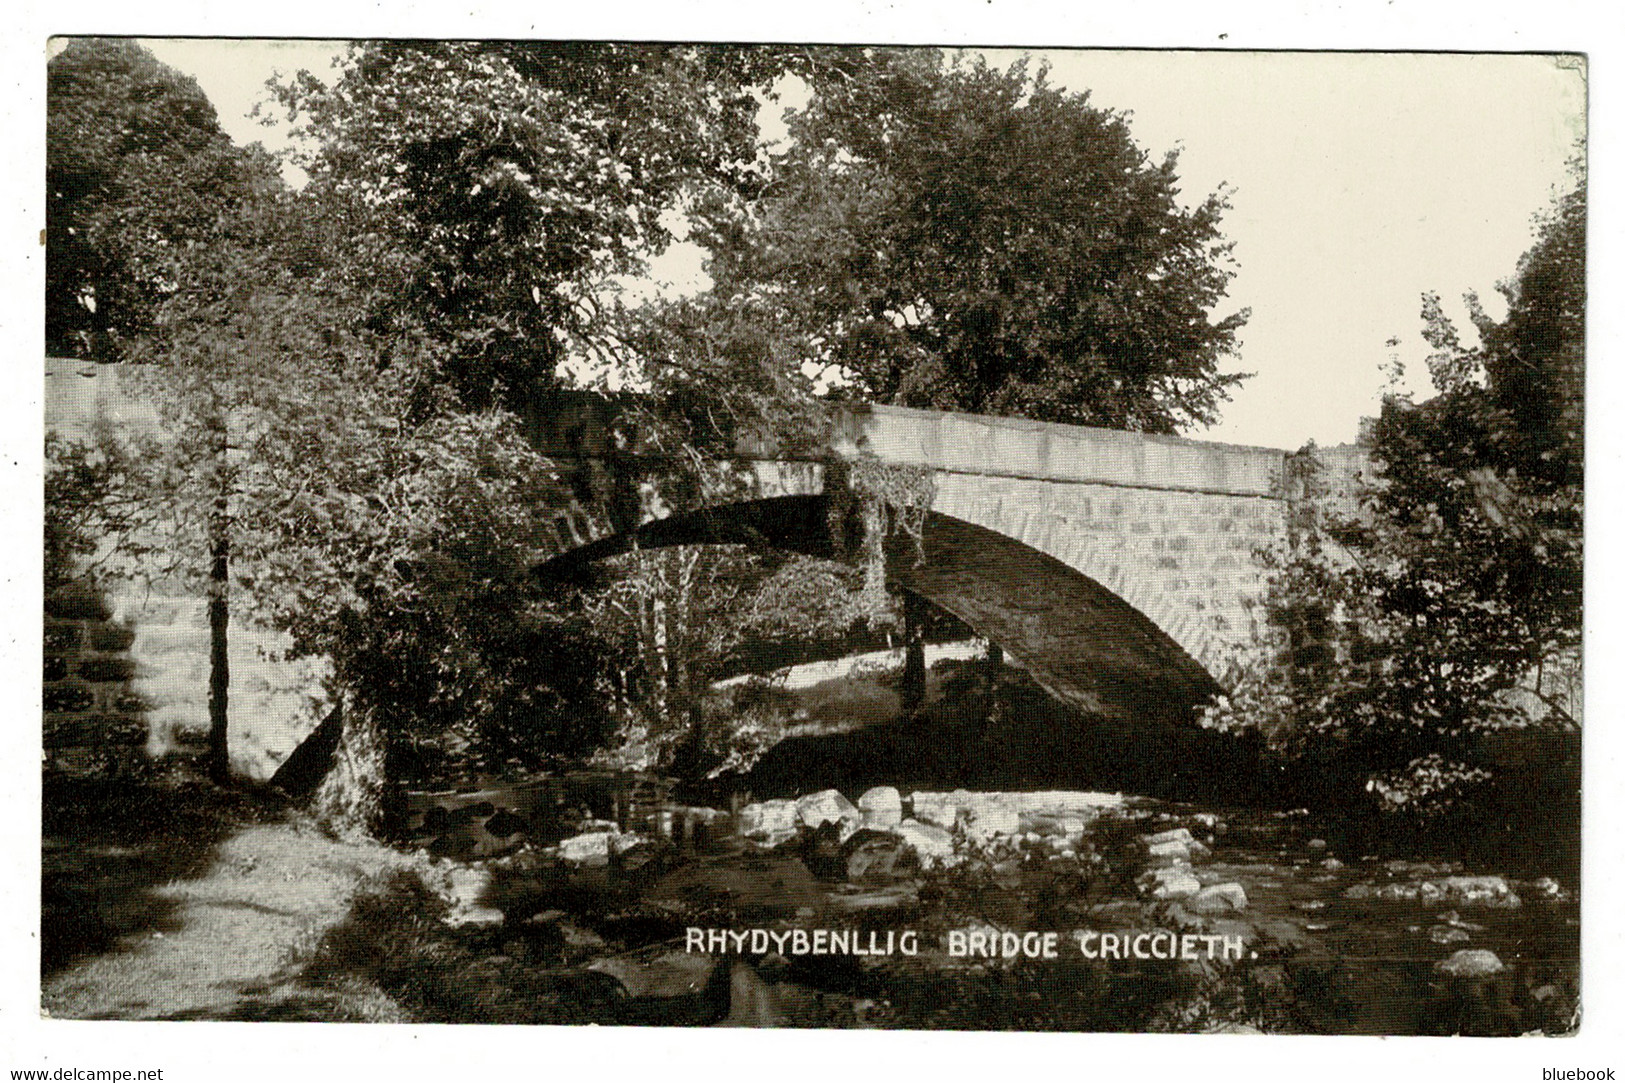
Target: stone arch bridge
[{"x": 1121, "y": 570}]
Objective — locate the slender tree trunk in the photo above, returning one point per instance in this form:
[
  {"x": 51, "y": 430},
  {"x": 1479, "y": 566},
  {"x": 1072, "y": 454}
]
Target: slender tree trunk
[
  {"x": 992, "y": 668},
  {"x": 219, "y": 763},
  {"x": 912, "y": 686}
]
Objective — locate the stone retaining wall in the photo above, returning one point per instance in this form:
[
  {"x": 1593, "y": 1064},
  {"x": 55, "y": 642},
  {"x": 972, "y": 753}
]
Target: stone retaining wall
[{"x": 126, "y": 659}]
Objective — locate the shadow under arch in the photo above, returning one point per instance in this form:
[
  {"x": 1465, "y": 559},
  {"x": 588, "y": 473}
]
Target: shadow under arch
[{"x": 1080, "y": 641}]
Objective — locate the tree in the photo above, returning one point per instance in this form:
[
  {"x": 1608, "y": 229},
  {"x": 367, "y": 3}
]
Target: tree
[
  {"x": 958, "y": 237},
  {"x": 490, "y": 189},
  {"x": 137, "y": 168},
  {"x": 335, "y": 366},
  {"x": 1412, "y": 625}
]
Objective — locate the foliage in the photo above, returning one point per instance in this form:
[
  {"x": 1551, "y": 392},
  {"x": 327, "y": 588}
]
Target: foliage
[
  {"x": 1408, "y": 628},
  {"x": 491, "y": 189},
  {"x": 958, "y": 237},
  {"x": 137, "y": 169},
  {"x": 681, "y": 619}
]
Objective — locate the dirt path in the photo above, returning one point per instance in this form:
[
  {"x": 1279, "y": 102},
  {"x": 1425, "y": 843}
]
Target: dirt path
[{"x": 226, "y": 942}]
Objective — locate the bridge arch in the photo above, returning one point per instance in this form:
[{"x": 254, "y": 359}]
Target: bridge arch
[{"x": 1080, "y": 636}]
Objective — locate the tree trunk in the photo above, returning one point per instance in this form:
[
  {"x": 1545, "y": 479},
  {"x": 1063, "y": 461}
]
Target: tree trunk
[
  {"x": 912, "y": 686},
  {"x": 219, "y": 762},
  {"x": 992, "y": 668}
]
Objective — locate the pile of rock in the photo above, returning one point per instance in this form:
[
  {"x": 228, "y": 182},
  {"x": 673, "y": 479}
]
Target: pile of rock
[
  {"x": 1490, "y": 891},
  {"x": 1171, "y": 876},
  {"x": 929, "y": 823}
]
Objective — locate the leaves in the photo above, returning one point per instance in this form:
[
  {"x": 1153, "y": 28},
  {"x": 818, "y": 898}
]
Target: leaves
[
  {"x": 1429, "y": 614},
  {"x": 958, "y": 237}
]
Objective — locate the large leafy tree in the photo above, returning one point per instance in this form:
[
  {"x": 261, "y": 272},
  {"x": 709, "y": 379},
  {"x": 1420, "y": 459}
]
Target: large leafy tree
[
  {"x": 1435, "y": 614},
  {"x": 137, "y": 168},
  {"x": 489, "y": 190},
  {"x": 961, "y": 237}
]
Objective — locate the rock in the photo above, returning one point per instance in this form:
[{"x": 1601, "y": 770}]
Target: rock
[
  {"x": 1489, "y": 891},
  {"x": 1317, "y": 844},
  {"x": 1479, "y": 891},
  {"x": 1447, "y": 934},
  {"x": 466, "y": 891},
  {"x": 937, "y": 809},
  {"x": 768, "y": 818},
  {"x": 1173, "y": 851},
  {"x": 1232, "y": 1028},
  {"x": 876, "y": 856},
  {"x": 990, "y": 817},
  {"x": 591, "y": 849},
  {"x": 1173, "y": 882},
  {"x": 882, "y": 807},
  {"x": 1331, "y": 863},
  {"x": 1219, "y": 899},
  {"x": 669, "y": 974},
  {"x": 828, "y": 806},
  {"x": 625, "y": 841},
  {"x": 1177, "y": 834},
  {"x": 1549, "y": 888},
  {"x": 981, "y": 815},
  {"x": 1165, "y": 842},
  {"x": 1471, "y": 963},
  {"x": 931, "y": 842}
]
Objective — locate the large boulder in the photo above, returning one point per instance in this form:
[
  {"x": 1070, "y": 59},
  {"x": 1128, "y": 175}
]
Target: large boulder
[
  {"x": 467, "y": 890},
  {"x": 1471, "y": 963},
  {"x": 1219, "y": 899},
  {"x": 938, "y": 809},
  {"x": 931, "y": 842},
  {"x": 990, "y": 815},
  {"x": 980, "y": 815},
  {"x": 828, "y": 806},
  {"x": 593, "y": 848},
  {"x": 1173, "y": 882},
  {"x": 872, "y": 856},
  {"x": 767, "y": 819},
  {"x": 882, "y": 807},
  {"x": 668, "y": 974},
  {"x": 1177, "y": 837}
]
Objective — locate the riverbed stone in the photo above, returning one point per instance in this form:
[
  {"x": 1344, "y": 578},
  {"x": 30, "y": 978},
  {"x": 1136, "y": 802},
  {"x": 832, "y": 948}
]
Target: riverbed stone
[
  {"x": 829, "y": 806},
  {"x": 669, "y": 974},
  {"x": 986, "y": 819},
  {"x": 1490, "y": 891},
  {"x": 591, "y": 849},
  {"x": 931, "y": 842},
  {"x": 882, "y": 807},
  {"x": 466, "y": 888},
  {"x": 764, "y": 819},
  {"x": 871, "y": 855},
  {"x": 1471, "y": 963},
  {"x": 1173, "y": 851},
  {"x": 1448, "y": 934},
  {"x": 1174, "y": 882},
  {"x": 1219, "y": 899}
]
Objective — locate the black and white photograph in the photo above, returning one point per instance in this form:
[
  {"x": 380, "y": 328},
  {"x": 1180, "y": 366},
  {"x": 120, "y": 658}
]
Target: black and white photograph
[{"x": 650, "y": 532}]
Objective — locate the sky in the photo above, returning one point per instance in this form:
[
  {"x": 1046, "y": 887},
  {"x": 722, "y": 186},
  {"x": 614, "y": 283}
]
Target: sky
[{"x": 1357, "y": 182}]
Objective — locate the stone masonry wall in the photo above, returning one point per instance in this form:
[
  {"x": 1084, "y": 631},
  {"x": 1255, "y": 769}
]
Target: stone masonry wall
[{"x": 126, "y": 669}]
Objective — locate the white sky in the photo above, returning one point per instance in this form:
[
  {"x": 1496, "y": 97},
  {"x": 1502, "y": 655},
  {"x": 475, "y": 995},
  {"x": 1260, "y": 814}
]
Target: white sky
[{"x": 1359, "y": 181}]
